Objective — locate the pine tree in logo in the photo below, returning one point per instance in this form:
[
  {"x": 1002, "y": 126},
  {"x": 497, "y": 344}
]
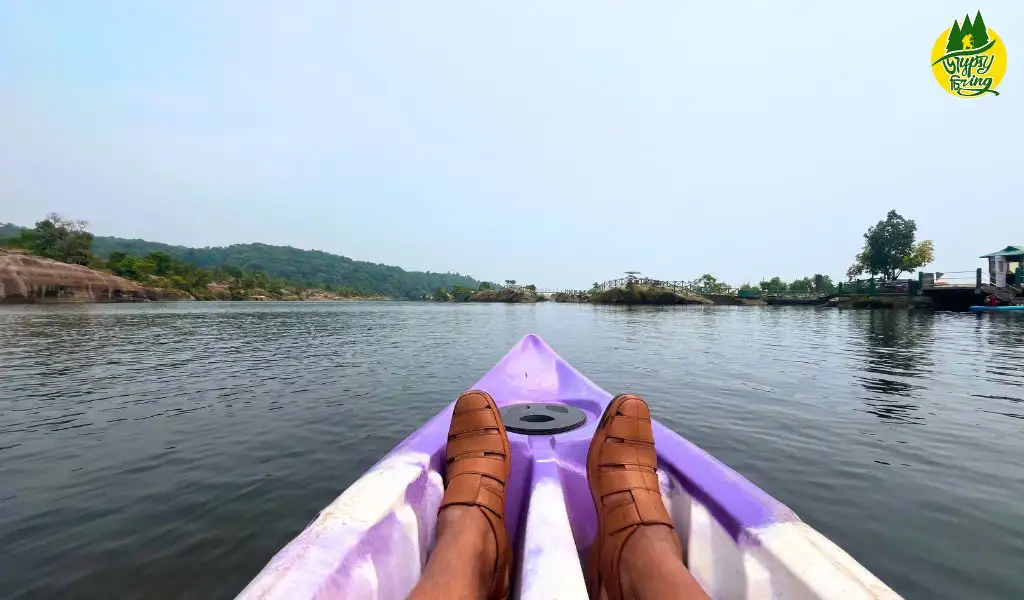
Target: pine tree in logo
[
  {"x": 967, "y": 31},
  {"x": 980, "y": 31},
  {"x": 954, "y": 42}
]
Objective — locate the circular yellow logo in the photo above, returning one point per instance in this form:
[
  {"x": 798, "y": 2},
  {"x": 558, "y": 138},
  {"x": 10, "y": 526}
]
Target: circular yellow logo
[{"x": 969, "y": 59}]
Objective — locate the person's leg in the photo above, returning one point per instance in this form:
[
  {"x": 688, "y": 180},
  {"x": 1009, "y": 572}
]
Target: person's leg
[
  {"x": 461, "y": 567},
  {"x": 637, "y": 553},
  {"x": 472, "y": 557},
  {"x": 651, "y": 567}
]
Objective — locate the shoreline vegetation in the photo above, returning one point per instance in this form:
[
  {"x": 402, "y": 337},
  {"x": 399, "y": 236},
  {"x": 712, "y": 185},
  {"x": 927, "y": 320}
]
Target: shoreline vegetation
[{"x": 60, "y": 260}]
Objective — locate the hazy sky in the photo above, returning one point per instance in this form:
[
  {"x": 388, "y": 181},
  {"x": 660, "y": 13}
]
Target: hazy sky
[{"x": 549, "y": 142}]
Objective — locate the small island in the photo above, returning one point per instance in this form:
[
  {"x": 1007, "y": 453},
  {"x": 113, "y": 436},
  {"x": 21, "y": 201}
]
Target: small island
[
  {"x": 634, "y": 288},
  {"x": 489, "y": 292}
]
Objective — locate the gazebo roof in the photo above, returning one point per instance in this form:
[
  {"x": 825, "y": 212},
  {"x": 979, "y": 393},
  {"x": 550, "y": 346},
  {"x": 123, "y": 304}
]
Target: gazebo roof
[{"x": 1008, "y": 251}]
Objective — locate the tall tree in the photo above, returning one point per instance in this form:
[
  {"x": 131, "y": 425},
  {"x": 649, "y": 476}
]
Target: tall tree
[
  {"x": 802, "y": 286},
  {"x": 824, "y": 283},
  {"x": 967, "y": 29},
  {"x": 980, "y": 31},
  {"x": 708, "y": 284},
  {"x": 923, "y": 254},
  {"x": 889, "y": 249},
  {"x": 461, "y": 294},
  {"x": 774, "y": 285},
  {"x": 162, "y": 263},
  {"x": 60, "y": 239},
  {"x": 955, "y": 40}
]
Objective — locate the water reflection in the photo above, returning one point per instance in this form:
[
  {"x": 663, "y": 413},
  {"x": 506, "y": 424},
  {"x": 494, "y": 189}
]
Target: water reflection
[
  {"x": 1003, "y": 334},
  {"x": 897, "y": 354}
]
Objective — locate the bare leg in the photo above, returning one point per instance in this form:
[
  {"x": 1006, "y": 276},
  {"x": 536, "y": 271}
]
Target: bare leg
[
  {"x": 650, "y": 567},
  {"x": 472, "y": 555},
  {"x": 461, "y": 567}
]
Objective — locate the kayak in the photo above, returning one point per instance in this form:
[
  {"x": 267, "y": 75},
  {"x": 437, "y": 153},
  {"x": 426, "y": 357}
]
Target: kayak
[
  {"x": 1015, "y": 307},
  {"x": 373, "y": 541}
]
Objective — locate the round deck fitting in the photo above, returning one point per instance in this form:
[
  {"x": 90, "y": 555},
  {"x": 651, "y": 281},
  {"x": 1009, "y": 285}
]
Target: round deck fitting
[{"x": 538, "y": 418}]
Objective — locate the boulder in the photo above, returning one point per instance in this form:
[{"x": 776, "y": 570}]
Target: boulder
[{"x": 28, "y": 278}]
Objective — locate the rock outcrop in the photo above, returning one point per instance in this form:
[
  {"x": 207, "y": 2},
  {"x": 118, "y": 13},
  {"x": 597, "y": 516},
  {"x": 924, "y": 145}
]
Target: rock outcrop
[
  {"x": 640, "y": 294},
  {"x": 731, "y": 300},
  {"x": 571, "y": 297},
  {"x": 523, "y": 294},
  {"x": 28, "y": 278}
]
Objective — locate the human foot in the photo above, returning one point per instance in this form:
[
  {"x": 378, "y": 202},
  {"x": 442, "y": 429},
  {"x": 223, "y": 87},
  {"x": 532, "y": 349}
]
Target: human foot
[
  {"x": 622, "y": 472},
  {"x": 477, "y": 468}
]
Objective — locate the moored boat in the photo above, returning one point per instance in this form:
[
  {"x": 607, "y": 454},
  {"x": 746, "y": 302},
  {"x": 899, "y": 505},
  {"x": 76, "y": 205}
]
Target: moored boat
[
  {"x": 373, "y": 540},
  {"x": 1006, "y": 308}
]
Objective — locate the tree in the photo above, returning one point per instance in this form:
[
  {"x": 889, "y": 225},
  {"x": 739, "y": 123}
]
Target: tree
[
  {"x": 60, "y": 239},
  {"x": 595, "y": 288},
  {"x": 980, "y": 31},
  {"x": 162, "y": 263},
  {"x": 232, "y": 271},
  {"x": 510, "y": 282},
  {"x": 774, "y": 286},
  {"x": 824, "y": 284},
  {"x": 801, "y": 286},
  {"x": 923, "y": 254},
  {"x": 967, "y": 32},
  {"x": 708, "y": 284},
  {"x": 857, "y": 268},
  {"x": 485, "y": 285},
  {"x": 889, "y": 249},
  {"x": 461, "y": 293},
  {"x": 955, "y": 40}
]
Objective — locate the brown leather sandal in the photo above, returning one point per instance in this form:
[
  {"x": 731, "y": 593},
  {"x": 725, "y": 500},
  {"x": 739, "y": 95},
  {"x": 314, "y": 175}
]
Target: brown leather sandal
[
  {"x": 478, "y": 466},
  {"x": 621, "y": 459}
]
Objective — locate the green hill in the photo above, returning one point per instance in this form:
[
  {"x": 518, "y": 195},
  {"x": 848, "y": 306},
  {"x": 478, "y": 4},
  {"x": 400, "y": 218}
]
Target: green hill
[{"x": 305, "y": 268}]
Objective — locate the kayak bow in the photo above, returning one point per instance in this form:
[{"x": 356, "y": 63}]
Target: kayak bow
[{"x": 373, "y": 540}]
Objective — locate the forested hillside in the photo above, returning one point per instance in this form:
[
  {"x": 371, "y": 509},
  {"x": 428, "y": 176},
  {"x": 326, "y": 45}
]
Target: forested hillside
[{"x": 303, "y": 268}]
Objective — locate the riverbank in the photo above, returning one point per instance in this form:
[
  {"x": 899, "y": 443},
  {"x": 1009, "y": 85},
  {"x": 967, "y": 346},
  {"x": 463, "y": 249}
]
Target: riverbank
[{"x": 26, "y": 278}]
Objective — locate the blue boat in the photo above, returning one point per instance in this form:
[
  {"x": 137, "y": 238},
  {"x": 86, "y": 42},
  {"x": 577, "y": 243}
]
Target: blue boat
[{"x": 1010, "y": 308}]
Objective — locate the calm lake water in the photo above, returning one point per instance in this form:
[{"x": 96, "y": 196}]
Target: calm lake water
[{"x": 169, "y": 450}]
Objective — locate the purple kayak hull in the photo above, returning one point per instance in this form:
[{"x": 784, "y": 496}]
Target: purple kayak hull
[{"x": 740, "y": 542}]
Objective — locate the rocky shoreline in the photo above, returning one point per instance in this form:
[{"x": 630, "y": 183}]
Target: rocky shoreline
[{"x": 26, "y": 278}]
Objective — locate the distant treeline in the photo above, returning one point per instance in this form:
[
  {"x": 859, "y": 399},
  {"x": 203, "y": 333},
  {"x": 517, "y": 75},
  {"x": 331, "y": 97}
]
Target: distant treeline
[
  {"x": 709, "y": 285},
  {"x": 261, "y": 265}
]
